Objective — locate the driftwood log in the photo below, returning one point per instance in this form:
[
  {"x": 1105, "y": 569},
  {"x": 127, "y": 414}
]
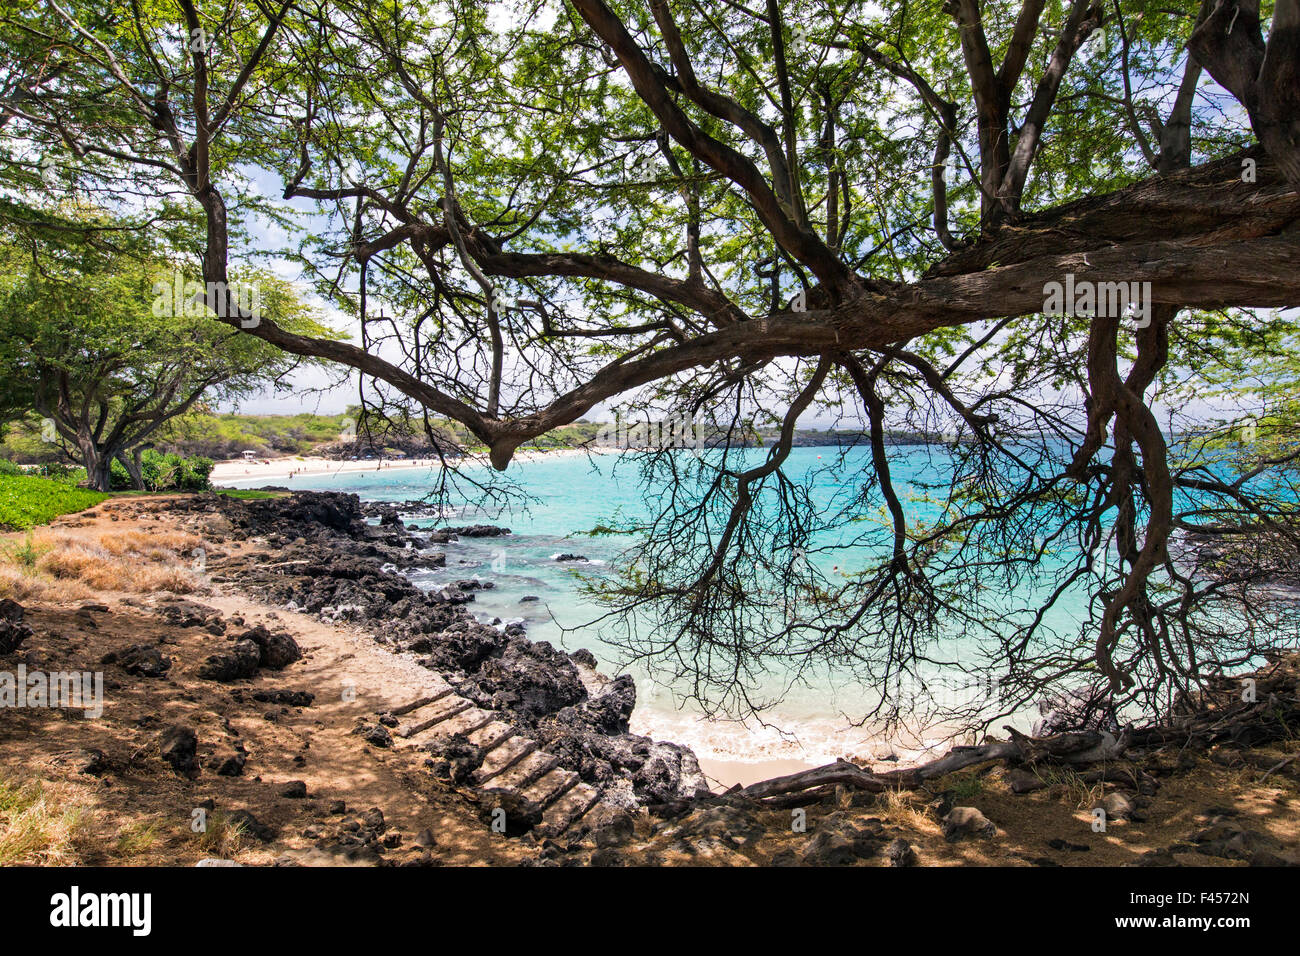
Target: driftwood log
[{"x": 1229, "y": 711}]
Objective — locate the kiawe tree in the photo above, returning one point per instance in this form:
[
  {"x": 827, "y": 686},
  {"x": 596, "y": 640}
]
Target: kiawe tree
[
  {"x": 743, "y": 210},
  {"x": 97, "y": 342}
]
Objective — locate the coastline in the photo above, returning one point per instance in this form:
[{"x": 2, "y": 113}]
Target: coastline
[
  {"x": 310, "y": 466},
  {"x": 727, "y": 755},
  {"x": 335, "y": 715}
]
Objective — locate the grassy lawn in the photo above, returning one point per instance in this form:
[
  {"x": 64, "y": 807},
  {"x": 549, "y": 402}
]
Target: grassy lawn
[{"x": 26, "y": 500}]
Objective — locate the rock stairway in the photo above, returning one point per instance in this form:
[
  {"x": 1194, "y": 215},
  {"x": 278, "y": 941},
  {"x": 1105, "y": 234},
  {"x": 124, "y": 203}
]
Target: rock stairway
[{"x": 512, "y": 762}]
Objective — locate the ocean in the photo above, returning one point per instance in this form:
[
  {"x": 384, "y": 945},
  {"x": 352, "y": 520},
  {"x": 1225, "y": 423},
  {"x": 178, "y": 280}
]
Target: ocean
[{"x": 559, "y": 497}]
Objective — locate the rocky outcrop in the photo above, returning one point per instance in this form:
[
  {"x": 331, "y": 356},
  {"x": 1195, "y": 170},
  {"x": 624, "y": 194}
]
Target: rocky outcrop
[
  {"x": 276, "y": 648},
  {"x": 479, "y": 531},
  {"x": 332, "y": 562}
]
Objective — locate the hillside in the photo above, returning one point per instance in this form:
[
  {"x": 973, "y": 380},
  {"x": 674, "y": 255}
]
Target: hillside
[{"x": 227, "y": 435}]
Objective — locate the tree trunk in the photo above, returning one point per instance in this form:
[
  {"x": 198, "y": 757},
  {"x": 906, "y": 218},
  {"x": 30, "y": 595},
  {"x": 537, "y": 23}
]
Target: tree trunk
[
  {"x": 134, "y": 468},
  {"x": 97, "y": 460},
  {"x": 98, "y": 469}
]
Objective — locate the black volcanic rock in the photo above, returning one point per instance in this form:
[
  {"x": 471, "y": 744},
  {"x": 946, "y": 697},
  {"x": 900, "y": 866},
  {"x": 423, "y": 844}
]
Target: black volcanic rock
[
  {"x": 531, "y": 680},
  {"x": 140, "y": 660},
  {"x": 240, "y": 661},
  {"x": 12, "y": 629},
  {"x": 278, "y": 650},
  {"x": 479, "y": 531},
  {"x": 178, "y": 746},
  {"x": 331, "y": 562}
]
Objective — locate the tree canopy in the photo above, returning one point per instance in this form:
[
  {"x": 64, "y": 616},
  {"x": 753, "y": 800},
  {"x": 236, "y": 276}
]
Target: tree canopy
[{"x": 101, "y": 343}]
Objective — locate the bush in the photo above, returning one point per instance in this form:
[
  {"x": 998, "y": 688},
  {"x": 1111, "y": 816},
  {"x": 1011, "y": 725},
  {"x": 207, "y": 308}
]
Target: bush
[
  {"x": 26, "y": 500},
  {"x": 166, "y": 472},
  {"x": 58, "y": 469}
]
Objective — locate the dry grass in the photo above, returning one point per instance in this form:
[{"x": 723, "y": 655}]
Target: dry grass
[
  {"x": 27, "y": 586},
  {"x": 221, "y": 838},
  {"x": 35, "y": 829},
  {"x": 900, "y": 807},
  {"x": 156, "y": 545},
  {"x": 1066, "y": 784},
  {"x": 137, "y": 838},
  {"x": 56, "y": 566}
]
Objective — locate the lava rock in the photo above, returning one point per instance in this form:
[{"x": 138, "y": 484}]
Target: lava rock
[
  {"x": 141, "y": 660},
  {"x": 612, "y": 710},
  {"x": 828, "y": 848},
  {"x": 479, "y": 531},
  {"x": 91, "y": 761},
  {"x": 456, "y": 759},
  {"x": 519, "y": 813},
  {"x": 285, "y": 698},
  {"x": 531, "y": 680},
  {"x": 465, "y": 648},
  {"x": 178, "y": 746},
  {"x": 228, "y": 763},
  {"x": 1022, "y": 781},
  {"x": 966, "y": 821},
  {"x": 277, "y": 649},
  {"x": 617, "y": 831},
  {"x": 375, "y": 734},
  {"x": 12, "y": 629},
  {"x": 240, "y": 661},
  {"x": 900, "y": 853},
  {"x": 247, "y": 823}
]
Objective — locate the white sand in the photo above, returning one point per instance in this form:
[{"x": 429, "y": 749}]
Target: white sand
[{"x": 282, "y": 470}]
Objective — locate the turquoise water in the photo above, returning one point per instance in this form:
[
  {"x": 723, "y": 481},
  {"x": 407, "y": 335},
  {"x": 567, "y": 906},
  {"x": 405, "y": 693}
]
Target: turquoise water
[{"x": 569, "y": 494}]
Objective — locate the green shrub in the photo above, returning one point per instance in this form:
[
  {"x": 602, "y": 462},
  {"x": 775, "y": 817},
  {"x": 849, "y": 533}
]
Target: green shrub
[
  {"x": 58, "y": 469},
  {"x": 166, "y": 472},
  {"x": 26, "y": 500}
]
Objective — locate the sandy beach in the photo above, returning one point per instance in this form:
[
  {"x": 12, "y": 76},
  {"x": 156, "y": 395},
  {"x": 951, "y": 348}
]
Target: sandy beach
[{"x": 283, "y": 470}]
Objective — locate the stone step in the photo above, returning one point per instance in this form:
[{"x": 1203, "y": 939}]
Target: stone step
[
  {"x": 598, "y": 815},
  {"x": 552, "y": 785},
  {"x": 492, "y": 736},
  {"x": 436, "y": 713},
  {"x": 434, "y": 695},
  {"x": 521, "y": 774},
  {"x": 465, "y": 722},
  {"x": 568, "y": 809},
  {"x": 503, "y": 758}
]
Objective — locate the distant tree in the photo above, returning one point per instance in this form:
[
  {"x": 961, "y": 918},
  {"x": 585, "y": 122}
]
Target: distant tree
[{"x": 97, "y": 342}]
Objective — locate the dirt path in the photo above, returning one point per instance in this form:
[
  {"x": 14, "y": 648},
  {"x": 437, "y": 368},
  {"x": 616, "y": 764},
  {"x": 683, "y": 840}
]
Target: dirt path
[{"x": 142, "y": 797}]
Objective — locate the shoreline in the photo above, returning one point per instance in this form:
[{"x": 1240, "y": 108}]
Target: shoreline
[
  {"x": 431, "y": 750},
  {"x": 313, "y": 466},
  {"x": 726, "y": 766}
]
